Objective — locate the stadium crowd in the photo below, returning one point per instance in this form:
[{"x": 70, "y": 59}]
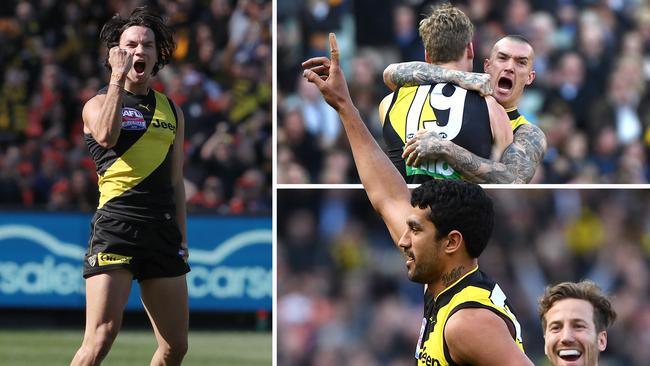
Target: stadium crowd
[
  {"x": 590, "y": 97},
  {"x": 344, "y": 297},
  {"x": 220, "y": 75}
]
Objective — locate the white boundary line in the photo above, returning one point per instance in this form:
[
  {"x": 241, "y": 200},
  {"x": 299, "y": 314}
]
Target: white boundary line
[
  {"x": 486, "y": 186},
  {"x": 274, "y": 174}
]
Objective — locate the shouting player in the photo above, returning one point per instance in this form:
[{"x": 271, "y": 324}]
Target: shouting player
[
  {"x": 135, "y": 136},
  {"x": 462, "y": 117},
  {"x": 510, "y": 69}
]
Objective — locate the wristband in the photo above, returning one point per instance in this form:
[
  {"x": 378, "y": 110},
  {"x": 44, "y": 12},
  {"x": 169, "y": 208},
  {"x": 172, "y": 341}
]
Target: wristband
[{"x": 116, "y": 84}]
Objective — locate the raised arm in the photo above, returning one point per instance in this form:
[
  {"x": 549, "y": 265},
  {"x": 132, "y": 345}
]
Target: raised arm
[
  {"x": 518, "y": 163},
  {"x": 419, "y": 73},
  {"x": 102, "y": 115},
  {"x": 384, "y": 185}
]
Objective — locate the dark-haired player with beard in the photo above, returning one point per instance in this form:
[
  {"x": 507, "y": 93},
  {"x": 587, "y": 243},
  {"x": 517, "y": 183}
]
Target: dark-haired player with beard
[
  {"x": 135, "y": 136},
  {"x": 442, "y": 228}
]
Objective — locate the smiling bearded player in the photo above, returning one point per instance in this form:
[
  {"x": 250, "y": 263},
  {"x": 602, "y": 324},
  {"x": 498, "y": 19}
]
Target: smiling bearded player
[
  {"x": 575, "y": 318},
  {"x": 135, "y": 136}
]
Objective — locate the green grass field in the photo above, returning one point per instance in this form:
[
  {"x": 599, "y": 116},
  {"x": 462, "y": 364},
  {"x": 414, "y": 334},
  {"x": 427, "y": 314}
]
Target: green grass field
[{"x": 56, "y": 347}]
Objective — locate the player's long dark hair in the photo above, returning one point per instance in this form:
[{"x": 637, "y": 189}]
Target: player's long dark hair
[
  {"x": 145, "y": 17},
  {"x": 458, "y": 205}
]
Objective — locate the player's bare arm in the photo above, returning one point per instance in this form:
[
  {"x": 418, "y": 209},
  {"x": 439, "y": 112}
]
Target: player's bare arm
[
  {"x": 525, "y": 153},
  {"x": 102, "y": 115},
  {"x": 427, "y": 145},
  {"x": 384, "y": 185},
  {"x": 517, "y": 165},
  {"x": 477, "y": 336},
  {"x": 419, "y": 73},
  {"x": 177, "y": 179}
]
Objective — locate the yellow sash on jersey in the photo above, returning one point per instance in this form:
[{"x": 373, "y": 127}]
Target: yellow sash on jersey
[
  {"x": 143, "y": 157},
  {"x": 432, "y": 351}
]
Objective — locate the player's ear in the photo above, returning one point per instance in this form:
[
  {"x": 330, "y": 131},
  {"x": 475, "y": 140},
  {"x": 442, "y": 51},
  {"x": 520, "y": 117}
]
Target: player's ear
[
  {"x": 470, "y": 51},
  {"x": 602, "y": 340},
  {"x": 486, "y": 65},
  {"x": 454, "y": 241},
  {"x": 427, "y": 59},
  {"x": 531, "y": 77}
]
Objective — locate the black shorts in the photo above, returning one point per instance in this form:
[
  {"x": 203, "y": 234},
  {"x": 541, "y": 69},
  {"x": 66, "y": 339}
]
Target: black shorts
[{"x": 148, "y": 250}]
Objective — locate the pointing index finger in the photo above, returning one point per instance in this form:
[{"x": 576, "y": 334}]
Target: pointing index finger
[{"x": 334, "y": 49}]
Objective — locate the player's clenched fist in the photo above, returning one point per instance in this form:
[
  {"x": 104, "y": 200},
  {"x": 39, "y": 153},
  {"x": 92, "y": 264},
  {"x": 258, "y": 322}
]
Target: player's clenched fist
[{"x": 120, "y": 60}]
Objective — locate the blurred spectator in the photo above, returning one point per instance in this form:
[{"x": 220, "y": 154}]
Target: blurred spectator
[
  {"x": 406, "y": 33},
  {"x": 542, "y": 31},
  {"x": 210, "y": 196},
  {"x": 52, "y": 63},
  {"x": 517, "y": 17},
  {"x": 249, "y": 194},
  {"x": 303, "y": 146},
  {"x": 346, "y": 296},
  {"x": 592, "y": 64},
  {"x": 319, "y": 118}
]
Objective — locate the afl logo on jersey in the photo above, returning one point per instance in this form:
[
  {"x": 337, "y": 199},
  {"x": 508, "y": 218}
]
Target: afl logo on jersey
[{"x": 132, "y": 119}]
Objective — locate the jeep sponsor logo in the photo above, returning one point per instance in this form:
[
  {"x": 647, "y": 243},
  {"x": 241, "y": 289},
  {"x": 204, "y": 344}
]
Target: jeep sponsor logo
[
  {"x": 105, "y": 259},
  {"x": 426, "y": 359},
  {"x": 132, "y": 119},
  {"x": 158, "y": 123}
]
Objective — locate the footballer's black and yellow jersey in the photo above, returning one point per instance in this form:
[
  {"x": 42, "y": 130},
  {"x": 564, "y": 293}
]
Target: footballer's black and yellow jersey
[
  {"x": 135, "y": 175},
  {"x": 516, "y": 119},
  {"x": 474, "y": 290},
  {"x": 454, "y": 113}
]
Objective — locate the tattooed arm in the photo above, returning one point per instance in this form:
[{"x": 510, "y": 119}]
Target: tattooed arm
[
  {"x": 418, "y": 73},
  {"x": 517, "y": 165}
]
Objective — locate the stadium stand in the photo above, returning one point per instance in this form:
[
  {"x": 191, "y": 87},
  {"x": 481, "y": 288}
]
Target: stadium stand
[{"x": 220, "y": 75}]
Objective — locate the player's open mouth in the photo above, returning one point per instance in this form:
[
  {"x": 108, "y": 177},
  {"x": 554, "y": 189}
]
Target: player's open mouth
[
  {"x": 569, "y": 355},
  {"x": 139, "y": 66},
  {"x": 505, "y": 84}
]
